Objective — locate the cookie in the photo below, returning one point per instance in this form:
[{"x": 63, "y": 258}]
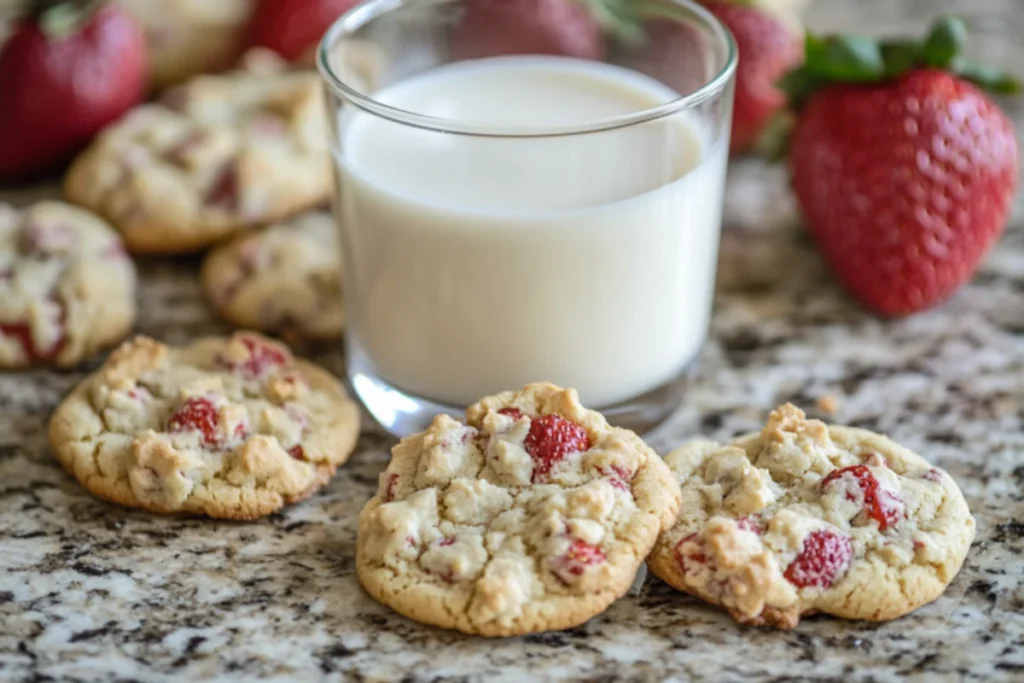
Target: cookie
[
  {"x": 285, "y": 279},
  {"x": 805, "y": 518},
  {"x": 190, "y": 37},
  {"x": 229, "y": 428},
  {"x": 67, "y": 288},
  {"x": 218, "y": 155},
  {"x": 533, "y": 516}
]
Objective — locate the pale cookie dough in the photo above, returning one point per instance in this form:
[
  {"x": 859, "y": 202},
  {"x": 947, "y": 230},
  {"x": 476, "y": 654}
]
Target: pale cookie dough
[
  {"x": 189, "y": 37},
  {"x": 219, "y": 154},
  {"x": 229, "y": 428},
  {"x": 285, "y": 279},
  {"x": 806, "y": 518},
  {"x": 67, "y": 287},
  {"x": 533, "y": 516}
]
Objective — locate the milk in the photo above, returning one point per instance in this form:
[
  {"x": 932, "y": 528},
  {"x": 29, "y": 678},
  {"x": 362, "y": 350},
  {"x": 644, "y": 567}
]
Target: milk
[{"x": 475, "y": 265}]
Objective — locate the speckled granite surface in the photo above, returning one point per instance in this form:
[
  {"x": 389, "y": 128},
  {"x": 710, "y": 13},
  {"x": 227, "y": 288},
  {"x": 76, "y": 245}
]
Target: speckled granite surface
[{"x": 91, "y": 592}]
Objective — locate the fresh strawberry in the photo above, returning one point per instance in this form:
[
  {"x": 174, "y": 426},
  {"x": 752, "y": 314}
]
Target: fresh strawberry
[
  {"x": 66, "y": 71},
  {"x": 880, "y": 504},
  {"x": 293, "y": 28},
  {"x": 551, "y": 439},
  {"x": 510, "y": 27},
  {"x": 768, "y": 48},
  {"x": 904, "y": 169},
  {"x": 823, "y": 559}
]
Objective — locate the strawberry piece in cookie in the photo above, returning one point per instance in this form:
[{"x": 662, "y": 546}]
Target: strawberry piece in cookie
[
  {"x": 197, "y": 414},
  {"x": 253, "y": 357},
  {"x": 551, "y": 439},
  {"x": 62, "y": 298},
  {"x": 824, "y": 557},
  {"x": 804, "y": 517},
  {"x": 201, "y": 414},
  {"x": 880, "y": 504},
  {"x": 689, "y": 552},
  {"x": 577, "y": 559},
  {"x": 515, "y": 526}
]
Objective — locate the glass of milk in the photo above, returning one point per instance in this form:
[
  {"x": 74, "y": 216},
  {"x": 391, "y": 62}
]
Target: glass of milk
[{"x": 508, "y": 215}]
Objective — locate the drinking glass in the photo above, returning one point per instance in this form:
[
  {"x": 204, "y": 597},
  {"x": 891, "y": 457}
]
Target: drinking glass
[{"x": 501, "y": 232}]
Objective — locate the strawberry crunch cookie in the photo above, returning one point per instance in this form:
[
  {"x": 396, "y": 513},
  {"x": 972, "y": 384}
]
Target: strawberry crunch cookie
[
  {"x": 229, "y": 428},
  {"x": 806, "y": 518},
  {"x": 217, "y": 155},
  {"x": 67, "y": 288},
  {"x": 284, "y": 280},
  {"x": 533, "y": 516}
]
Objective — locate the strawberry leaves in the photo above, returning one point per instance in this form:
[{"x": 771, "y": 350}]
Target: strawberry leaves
[
  {"x": 859, "y": 59},
  {"x": 619, "y": 18},
  {"x": 61, "y": 18},
  {"x": 945, "y": 42}
]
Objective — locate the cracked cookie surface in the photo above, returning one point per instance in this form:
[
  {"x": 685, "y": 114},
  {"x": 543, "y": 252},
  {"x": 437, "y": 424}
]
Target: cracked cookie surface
[
  {"x": 534, "y": 515},
  {"x": 285, "y": 279},
  {"x": 67, "y": 287},
  {"x": 216, "y": 155},
  {"x": 230, "y": 428},
  {"x": 805, "y": 518}
]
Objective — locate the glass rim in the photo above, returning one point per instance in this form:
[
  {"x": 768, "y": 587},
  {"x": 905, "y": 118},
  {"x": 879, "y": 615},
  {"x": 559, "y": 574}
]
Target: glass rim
[{"x": 365, "y": 12}]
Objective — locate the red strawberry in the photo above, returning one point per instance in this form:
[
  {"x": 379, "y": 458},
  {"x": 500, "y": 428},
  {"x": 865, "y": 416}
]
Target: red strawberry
[
  {"x": 907, "y": 174},
  {"x": 768, "y": 48},
  {"x": 491, "y": 28},
  {"x": 823, "y": 559},
  {"x": 61, "y": 84},
  {"x": 881, "y": 505},
  {"x": 293, "y": 28},
  {"x": 551, "y": 439}
]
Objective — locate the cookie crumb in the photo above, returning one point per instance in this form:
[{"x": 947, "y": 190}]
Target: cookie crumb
[{"x": 827, "y": 404}]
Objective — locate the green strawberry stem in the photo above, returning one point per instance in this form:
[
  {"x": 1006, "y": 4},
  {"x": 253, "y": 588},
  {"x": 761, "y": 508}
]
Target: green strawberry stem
[
  {"x": 619, "y": 18},
  {"x": 624, "y": 20},
  {"x": 859, "y": 59},
  {"x": 61, "y": 18}
]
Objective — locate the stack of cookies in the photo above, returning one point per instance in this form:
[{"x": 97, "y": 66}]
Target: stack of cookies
[{"x": 238, "y": 162}]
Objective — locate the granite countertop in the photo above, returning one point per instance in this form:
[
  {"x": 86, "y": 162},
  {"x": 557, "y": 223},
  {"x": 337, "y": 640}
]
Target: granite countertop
[{"x": 92, "y": 592}]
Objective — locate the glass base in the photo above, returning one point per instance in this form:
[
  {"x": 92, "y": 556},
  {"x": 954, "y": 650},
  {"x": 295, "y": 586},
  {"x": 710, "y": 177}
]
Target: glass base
[{"x": 402, "y": 414}]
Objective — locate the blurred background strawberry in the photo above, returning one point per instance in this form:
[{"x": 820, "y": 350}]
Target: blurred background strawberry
[
  {"x": 293, "y": 28},
  {"x": 768, "y": 46},
  {"x": 67, "y": 69},
  {"x": 508, "y": 27}
]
